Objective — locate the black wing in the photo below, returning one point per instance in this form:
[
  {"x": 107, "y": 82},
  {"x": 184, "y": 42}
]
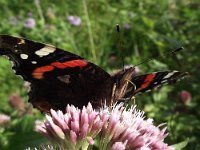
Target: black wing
[
  {"x": 148, "y": 82},
  {"x": 129, "y": 84},
  {"x": 57, "y": 77}
]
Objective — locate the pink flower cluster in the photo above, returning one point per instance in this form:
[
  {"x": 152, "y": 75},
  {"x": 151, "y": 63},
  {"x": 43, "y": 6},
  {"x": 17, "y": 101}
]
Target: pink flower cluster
[
  {"x": 118, "y": 128},
  {"x": 4, "y": 119},
  {"x": 185, "y": 97}
]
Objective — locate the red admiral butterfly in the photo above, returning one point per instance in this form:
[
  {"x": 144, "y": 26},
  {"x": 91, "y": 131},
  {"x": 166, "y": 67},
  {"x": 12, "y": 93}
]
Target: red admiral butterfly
[{"x": 59, "y": 77}]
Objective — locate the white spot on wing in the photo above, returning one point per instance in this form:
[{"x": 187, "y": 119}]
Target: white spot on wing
[
  {"x": 169, "y": 74},
  {"x": 34, "y": 62},
  {"x": 21, "y": 41},
  {"x": 45, "y": 50},
  {"x": 24, "y": 56},
  {"x": 163, "y": 81}
]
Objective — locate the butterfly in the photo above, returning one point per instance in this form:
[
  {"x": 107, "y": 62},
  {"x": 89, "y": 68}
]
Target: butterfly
[{"x": 58, "y": 77}]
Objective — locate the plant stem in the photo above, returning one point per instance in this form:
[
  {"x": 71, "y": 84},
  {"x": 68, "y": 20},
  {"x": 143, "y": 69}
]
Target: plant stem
[
  {"x": 37, "y": 3},
  {"x": 89, "y": 30}
]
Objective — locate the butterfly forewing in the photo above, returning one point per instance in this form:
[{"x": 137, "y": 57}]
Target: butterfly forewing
[{"x": 57, "y": 77}]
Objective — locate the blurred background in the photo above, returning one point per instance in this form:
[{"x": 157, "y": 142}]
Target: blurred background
[{"x": 88, "y": 28}]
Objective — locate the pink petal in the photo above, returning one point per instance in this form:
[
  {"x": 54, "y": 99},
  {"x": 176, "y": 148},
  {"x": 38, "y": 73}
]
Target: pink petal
[
  {"x": 44, "y": 132},
  {"x": 68, "y": 109},
  {"x": 91, "y": 117},
  {"x": 89, "y": 107},
  {"x": 59, "y": 120},
  {"x": 90, "y": 140},
  {"x": 84, "y": 131},
  {"x": 73, "y": 137},
  {"x": 75, "y": 126},
  {"x": 118, "y": 146},
  {"x": 54, "y": 129},
  {"x": 96, "y": 127},
  {"x": 84, "y": 116},
  {"x": 60, "y": 114},
  {"x": 67, "y": 119}
]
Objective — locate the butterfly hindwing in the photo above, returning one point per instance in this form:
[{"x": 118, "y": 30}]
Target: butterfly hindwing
[{"x": 148, "y": 82}]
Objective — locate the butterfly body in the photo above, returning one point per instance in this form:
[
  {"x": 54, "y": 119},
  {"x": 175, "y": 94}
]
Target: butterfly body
[{"x": 59, "y": 77}]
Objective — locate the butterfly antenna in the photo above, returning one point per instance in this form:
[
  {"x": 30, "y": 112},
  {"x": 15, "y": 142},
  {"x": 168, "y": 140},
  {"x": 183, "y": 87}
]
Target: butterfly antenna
[
  {"x": 120, "y": 44},
  {"x": 158, "y": 56}
]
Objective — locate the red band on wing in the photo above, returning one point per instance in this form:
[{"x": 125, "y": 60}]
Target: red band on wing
[
  {"x": 43, "y": 69},
  {"x": 39, "y": 72},
  {"x": 58, "y": 65},
  {"x": 75, "y": 63},
  {"x": 149, "y": 78}
]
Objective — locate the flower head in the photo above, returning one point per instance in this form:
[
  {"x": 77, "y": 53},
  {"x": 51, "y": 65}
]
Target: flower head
[
  {"x": 117, "y": 129},
  {"x": 185, "y": 97},
  {"x": 127, "y": 26},
  {"x": 74, "y": 20},
  {"x": 29, "y": 23},
  {"x": 16, "y": 102},
  {"x": 73, "y": 128},
  {"x": 4, "y": 119}
]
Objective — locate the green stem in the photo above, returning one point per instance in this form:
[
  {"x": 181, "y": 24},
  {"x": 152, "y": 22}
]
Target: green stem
[
  {"x": 37, "y": 3},
  {"x": 71, "y": 39},
  {"x": 89, "y": 30}
]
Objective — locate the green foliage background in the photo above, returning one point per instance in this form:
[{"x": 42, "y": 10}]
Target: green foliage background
[{"x": 148, "y": 28}]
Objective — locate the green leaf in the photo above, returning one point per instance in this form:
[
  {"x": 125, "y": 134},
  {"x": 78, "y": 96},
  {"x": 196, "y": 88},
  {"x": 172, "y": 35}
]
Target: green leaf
[
  {"x": 181, "y": 145},
  {"x": 149, "y": 22},
  {"x": 23, "y": 140}
]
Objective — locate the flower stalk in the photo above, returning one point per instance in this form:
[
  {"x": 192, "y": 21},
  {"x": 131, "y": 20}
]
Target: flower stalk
[{"x": 89, "y": 31}]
